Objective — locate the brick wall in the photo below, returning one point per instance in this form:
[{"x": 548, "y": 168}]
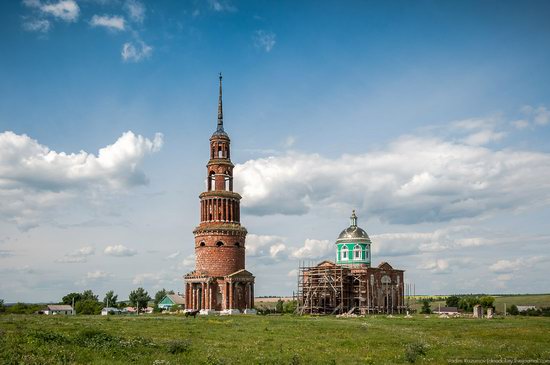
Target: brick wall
[{"x": 219, "y": 260}]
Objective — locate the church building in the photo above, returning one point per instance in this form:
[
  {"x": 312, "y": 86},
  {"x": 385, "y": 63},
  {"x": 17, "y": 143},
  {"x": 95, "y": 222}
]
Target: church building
[
  {"x": 220, "y": 282},
  {"x": 351, "y": 284}
]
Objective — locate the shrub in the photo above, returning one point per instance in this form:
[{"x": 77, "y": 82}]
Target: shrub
[
  {"x": 95, "y": 338},
  {"x": 179, "y": 346},
  {"x": 290, "y": 306},
  {"x": 295, "y": 360},
  {"x": 279, "y": 306},
  {"x": 48, "y": 337},
  {"x": 414, "y": 350},
  {"x": 426, "y": 307}
]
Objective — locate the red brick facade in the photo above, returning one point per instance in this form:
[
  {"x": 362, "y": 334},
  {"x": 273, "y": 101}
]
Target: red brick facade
[{"x": 220, "y": 280}]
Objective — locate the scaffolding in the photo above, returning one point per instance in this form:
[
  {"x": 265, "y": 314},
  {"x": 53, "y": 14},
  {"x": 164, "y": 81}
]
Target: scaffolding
[
  {"x": 322, "y": 290},
  {"x": 337, "y": 289}
]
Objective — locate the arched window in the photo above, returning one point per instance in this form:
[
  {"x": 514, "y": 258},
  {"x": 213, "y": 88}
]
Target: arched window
[
  {"x": 237, "y": 244},
  {"x": 345, "y": 252},
  {"x": 226, "y": 180},
  {"x": 219, "y": 243},
  {"x": 357, "y": 252},
  {"x": 211, "y": 180},
  {"x": 220, "y": 151},
  {"x": 202, "y": 244}
]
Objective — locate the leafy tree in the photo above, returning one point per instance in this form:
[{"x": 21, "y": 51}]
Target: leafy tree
[
  {"x": 290, "y": 306},
  {"x": 22, "y": 308},
  {"x": 88, "y": 306},
  {"x": 426, "y": 307},
  {"x": 486, "y": 301},
  {"x": 2, "y": 308},
  {"x": 513, "y": 310},
  {"x": 110, "y": 299},
  {"x": 89, "y": 295},
  {"x": 68, "y": 299},
  {"x": 139, "y": 298},
  {"x": 452, "y": 301},
  {"x": 467, "y": 303}
]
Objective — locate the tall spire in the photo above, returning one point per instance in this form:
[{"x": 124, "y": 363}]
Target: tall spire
[
  {"x": 220, "y": 108},
  {"x": 353, "y": 219}
]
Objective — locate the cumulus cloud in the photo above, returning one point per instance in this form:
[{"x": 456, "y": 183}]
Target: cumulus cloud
[
  {"x": 221, "y": 6},
  {"x": 156, "y": 279},
  {"x": 533, "y": 116},
  {"x": 264, "y": 40},
  {"x": 79, "y": 256},
  {"x": 413, "y": 180},
  {"x": 188, "y": 262},
  {"x": 271, "y": 249},
  {"x": 111, "y": 22},
  {"x": 94, "y": 277},
  {"x": 37, "y": 25},
  {"x": 520, "y": 124},
  {"x": 539, "y": 115},
  {"x": 135, "y": 10},
  {"x": 266, "y": 247},
  {"x": 35, "y": 179},
  {"x": 483, "y": 137},
  {"x": 135, "y": 52},
  {"x": 314, "y": 249},
  {"x": 437, "y": 266},
  {"x": 503, "y": 266},
  {"x": 289, "y": 141},
  {"x": 66, "y": 10},
  {"x": 443, "y": 239},
  {"x": 119, "y": 251},
  {"x": 508, "y": 266},
  {"x": 97, "y": 275}
]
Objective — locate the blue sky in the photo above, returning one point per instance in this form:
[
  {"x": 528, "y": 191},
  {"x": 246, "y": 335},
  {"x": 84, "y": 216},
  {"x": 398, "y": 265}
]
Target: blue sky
[{"x": 430, "y": 118}]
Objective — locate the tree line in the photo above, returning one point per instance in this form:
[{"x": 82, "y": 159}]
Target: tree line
[
  {"x": 464, "y": 302},
  {"x": 88, "y": 303}
]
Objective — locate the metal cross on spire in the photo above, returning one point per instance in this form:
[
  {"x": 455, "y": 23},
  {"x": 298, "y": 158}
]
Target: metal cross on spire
[
  {"x": 353, "y": 219},
  {"x": 220, "y": 108}
]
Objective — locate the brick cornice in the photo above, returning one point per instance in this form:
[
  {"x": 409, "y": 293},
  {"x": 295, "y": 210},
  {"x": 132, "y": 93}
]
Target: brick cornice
[{"x": 220, "y": 194}]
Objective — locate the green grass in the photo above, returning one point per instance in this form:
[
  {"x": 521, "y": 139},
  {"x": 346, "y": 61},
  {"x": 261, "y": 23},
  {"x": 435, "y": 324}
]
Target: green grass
[
  {"x": 538, "y": 300},
  {"x": 169, "y": 339}
]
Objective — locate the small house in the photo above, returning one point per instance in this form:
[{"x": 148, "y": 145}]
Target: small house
[
  {"x": 171, "y": 300},
  {"x": 447, "y": 310},
  {"x": 53, "y": 309},
  {"x": 525, "y": 308}
]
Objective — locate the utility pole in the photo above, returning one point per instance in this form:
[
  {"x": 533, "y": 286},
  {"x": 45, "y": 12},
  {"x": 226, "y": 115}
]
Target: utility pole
[
  {"x": 74, "y": 311},
  {"x": 504, "y": 309}
]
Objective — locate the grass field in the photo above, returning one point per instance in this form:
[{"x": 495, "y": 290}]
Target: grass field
[
  {"x": 169, "y": 339},
  {"x": 538, "y": 300}
]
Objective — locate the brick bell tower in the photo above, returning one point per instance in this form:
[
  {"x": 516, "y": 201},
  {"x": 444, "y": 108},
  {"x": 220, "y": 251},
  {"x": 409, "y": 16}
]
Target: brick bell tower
[{"x": 219, "y": 281}]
